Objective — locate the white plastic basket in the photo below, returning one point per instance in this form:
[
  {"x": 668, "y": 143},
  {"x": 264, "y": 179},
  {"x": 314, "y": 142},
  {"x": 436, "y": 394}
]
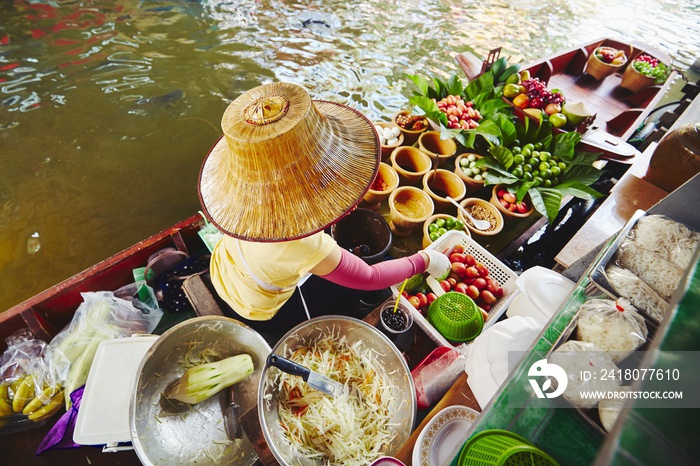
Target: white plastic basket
[{"x": 497, "y": 270}]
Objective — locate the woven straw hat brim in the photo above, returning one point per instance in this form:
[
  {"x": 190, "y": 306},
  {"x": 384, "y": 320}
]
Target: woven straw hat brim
[{"x": 299, "y": 194}]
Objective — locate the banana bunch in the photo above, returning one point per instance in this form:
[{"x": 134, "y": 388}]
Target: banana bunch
[{"x": 21, "y": 396}]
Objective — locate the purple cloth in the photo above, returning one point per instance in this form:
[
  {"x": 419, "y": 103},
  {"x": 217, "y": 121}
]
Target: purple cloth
[{"x": 61, "y": 434}]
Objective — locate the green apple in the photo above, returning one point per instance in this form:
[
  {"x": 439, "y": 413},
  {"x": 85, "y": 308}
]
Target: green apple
[{"x": 558, "y": 120}]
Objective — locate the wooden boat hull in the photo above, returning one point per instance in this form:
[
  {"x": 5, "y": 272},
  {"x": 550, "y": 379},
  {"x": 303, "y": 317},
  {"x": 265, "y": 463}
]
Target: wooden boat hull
[
  {"x": 616, "y": 111},
  {"x": 50, "y": 310}
]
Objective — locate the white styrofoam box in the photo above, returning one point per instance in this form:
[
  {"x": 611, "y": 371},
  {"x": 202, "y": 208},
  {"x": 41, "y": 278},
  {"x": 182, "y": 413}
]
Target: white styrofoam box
[{"x": 497, "y": 270}]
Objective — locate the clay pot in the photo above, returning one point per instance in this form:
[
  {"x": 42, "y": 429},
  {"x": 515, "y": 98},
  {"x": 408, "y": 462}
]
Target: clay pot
[
  {"x": 676, "y": 159},
  {"x": 410, "y": 163},
  {"x": 388, "y": 149},
  {"x": 442, "y": 183},
  {"x": 471, "y": 184},
  {"x": 410, "y": 136},
  {"x": 426, "y": 234},
  {"x": 486, "y": 205},
  {"x": 409, "y": 207},
  {"x": 373, "y": 198},
  {"x": 507, "y": 214},
  {"x": 438, "y": 149}
]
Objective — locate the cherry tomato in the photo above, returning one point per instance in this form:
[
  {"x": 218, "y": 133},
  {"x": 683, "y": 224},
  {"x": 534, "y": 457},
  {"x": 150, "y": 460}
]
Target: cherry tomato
[
  {"x": 459, "y": 249},
  {"x": 461, "y": 288},
  {"x": 473, "y": 292},
  {"x": 487, "y": 297},
  {"x": 422, "y": 298},
  {"x": 469, "y": 260},
  {"x": 459, "y": 268},
  {"x": 480, "y": 283},
  {"x": 431, "y": 297},
  {"x": 452, "y": 282},
  {"x": 457, "y": 257},
  {"x": 481, "y": 268},
  {"x": 471, "y": 272},
  {"x": 445, "y": 285},
  {"x": 414, "y": 301}
]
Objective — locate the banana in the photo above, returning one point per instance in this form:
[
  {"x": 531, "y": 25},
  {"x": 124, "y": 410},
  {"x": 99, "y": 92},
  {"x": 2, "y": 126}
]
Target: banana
[
  {"x": 5, "y": 406},
  {"x": 24, "y": 393},
  {"x": 49, "y": 408},
  {"x": 41, "y": 399}
]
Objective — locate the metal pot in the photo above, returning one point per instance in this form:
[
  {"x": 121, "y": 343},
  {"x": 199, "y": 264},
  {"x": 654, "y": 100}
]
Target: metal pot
[
  {"x": 197, "y": 435},
  {"x": 397, "y": 372}
]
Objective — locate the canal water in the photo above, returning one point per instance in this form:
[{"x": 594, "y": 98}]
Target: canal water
[{"x": 107, "y": 107}]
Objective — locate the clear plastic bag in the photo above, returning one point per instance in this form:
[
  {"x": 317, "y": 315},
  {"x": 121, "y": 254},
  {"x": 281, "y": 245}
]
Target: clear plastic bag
[
  {"x": 613, "y": 326},
  {"x": 101, "y": 316},
  {"x": 674, "y": 241},
  {"x": 578, "y": 358},
  {"x": 435, "y": 375},
  {"x": 642, "y": 296}
]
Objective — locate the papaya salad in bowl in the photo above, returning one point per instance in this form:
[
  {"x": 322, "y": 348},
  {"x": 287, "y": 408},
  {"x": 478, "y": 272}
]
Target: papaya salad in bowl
[{"x": 374, "y": 414}]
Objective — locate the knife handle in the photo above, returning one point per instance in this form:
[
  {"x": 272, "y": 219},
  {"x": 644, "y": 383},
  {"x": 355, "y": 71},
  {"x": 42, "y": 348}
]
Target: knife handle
[{"x": 290, "y": 367}]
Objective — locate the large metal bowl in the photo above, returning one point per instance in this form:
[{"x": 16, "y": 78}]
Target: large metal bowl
[
  {"x": 403, "y": 408},
  {"x": 197, "y": 435}
]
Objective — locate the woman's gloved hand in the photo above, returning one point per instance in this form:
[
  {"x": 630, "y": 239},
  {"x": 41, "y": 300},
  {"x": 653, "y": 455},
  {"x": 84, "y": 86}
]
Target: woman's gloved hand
[{"x": 438, "y": 263}]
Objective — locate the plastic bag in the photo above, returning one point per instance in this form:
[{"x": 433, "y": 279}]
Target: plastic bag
[
  {"x": 642, "y": 296},
  {"x": 613, "y": 326},
  {"x": 434, "y": 376},
  {"x": 652, "y": 268},
  {"x": 101, "y": 316},
  {"x": 578, "y": 358},
  {"x": 673, "y": 241},
  {"x": 27, "y": 385}
]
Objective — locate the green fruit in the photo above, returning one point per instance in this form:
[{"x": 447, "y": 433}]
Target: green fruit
[
  {"x": 432, "y": 228},
  {"x": 528, "y": 176},
  {"x": 513, "y": 79},
  {"x": 562, "y": 166},
  {"x": 526, "y": 152},
  {"x": 510, "y": 90},
  {"x": 575, "y": 112},
  {"x": 516, "y": 149},
  {"x": 440, "y": 222},
  {"x": 527, "y": 168},
  {"x": 535, "y": 162},
  {"x": 556, "y": 171},
  {"x": 529, "y": 146},
  {"x": 450, "y": 223},
  {"x": 544, "y": 156},
  {"x": 518, "y": 172},
  {"x": 459, "y": 225},
  {"x": 547, "y": 183},
  {"x": 518, "y": 159},
  {"x": 558, "y": 120},
  {"x": 433, "y": 236},
  {"x": 544, "y": 166},
  {"x": 546, "y": 174}
]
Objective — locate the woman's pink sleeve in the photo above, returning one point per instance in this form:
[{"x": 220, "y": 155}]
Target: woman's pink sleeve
[{"x": 353, "y": 272}]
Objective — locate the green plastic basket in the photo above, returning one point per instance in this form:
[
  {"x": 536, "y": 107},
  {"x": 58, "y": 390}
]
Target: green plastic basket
[
  {"x": 456, "y": 316},
  {"x": 496, "y": 447}
]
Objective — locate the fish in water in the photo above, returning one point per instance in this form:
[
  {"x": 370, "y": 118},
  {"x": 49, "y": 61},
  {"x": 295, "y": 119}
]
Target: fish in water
[{"x": 162, "y": 100}]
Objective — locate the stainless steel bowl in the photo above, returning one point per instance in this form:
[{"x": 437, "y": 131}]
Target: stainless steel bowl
[
  {"x": 398, "y": 373},
  {"x": 197, "y": 435}
]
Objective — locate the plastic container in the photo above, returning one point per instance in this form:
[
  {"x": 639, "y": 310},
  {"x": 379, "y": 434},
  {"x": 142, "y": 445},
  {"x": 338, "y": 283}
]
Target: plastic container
[
  {"x": 456, "y": 316},
  {"x": 496, "y": 447},
  {"x": 365, "y": 233},
  {"x": 497, "y": 270}
]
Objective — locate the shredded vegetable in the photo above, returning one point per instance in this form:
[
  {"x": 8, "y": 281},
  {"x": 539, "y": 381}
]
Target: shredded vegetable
[
  {"x": 672, "y": 240},
  {"x": 641, "y": 295},
  {"x": 651, "y": 267},
  {"x": 347, "y": 430}
]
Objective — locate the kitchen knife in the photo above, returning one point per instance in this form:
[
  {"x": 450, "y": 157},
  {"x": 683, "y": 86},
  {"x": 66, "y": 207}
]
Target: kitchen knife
[{"x": 314, "y": 379}]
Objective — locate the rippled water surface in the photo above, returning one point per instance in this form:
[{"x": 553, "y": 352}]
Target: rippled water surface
[{"x": 107, "y": 108}]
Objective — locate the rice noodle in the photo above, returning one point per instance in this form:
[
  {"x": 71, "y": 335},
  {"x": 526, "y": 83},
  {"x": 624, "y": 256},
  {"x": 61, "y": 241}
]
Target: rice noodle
[
  {"x": 651, "y": 267},
  {"x": 672, "y": 240},
  {"x": 642, "y": 296},
  {"x": 350, "y": 429}
]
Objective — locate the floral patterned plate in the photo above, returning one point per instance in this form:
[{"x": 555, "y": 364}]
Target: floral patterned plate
[{"x": 443, "y": 434}]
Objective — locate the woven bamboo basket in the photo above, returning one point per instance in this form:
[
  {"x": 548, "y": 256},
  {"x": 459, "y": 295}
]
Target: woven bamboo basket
[
  {"x": 600, "y": 70},
  {"x": 635, "y": 81}
]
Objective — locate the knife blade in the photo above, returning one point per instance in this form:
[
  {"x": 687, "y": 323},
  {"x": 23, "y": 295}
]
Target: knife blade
[{"x": 314, "y": 379}]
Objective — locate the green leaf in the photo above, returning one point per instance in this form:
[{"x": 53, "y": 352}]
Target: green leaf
[
  {"x": 584, "y": 174},
  {"x": 564, "y": 144},
  {"x": 585, "y": 158},
  {"x": 429, "y": 107},
  {"x": 439, "y": 91},
  {"x": 503, "y": 155},
  {"x": 523, "y": 189},
  {"x": 498, "y": 178},
  {"x": 489, "y": 131},
  {"x": 483, "y": 83},
  {"x": 466, "y": 138},
  {"x": 490, "y": 107},
  {"x": 454, "y": 86},
  {"x": 421, "y": 83},
  {"x": 507, "y": 127},
  {"x": 577, "y": 189},
  {"x": 546, "y": 201}
]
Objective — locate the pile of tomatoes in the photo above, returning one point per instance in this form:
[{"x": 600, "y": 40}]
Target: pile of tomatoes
[{"x": 467, "y": 276}]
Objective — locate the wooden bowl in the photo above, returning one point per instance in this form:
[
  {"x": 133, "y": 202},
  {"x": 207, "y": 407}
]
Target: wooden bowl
[
  {"x": 471, "y": 184},
  {"x": 442, "y": 183},
  {"x": 507, "y": 214},
  {"x": 489, "y": 207},
  {"x": 409, "y": 207},
  {"x": 438, "y": 149},
  {"x": 388, "y": 149},
  {"x": 410, "y": 163},
  {"x": 373, "y": 198},
  {"x": 410, "y": 136},
  {"x": 426, "y": 235}
]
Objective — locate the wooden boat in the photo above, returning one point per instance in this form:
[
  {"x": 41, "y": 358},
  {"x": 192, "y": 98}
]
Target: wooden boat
[{"x": 615, "y": 111}]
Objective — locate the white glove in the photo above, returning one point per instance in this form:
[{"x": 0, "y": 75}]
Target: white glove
[{"x": 438, "y": 263}]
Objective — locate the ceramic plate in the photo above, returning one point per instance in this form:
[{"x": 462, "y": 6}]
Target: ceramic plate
[{"x": 443, "y": 434}]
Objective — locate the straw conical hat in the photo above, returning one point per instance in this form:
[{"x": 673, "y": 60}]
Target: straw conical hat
[{"x": 286, "y": 166}]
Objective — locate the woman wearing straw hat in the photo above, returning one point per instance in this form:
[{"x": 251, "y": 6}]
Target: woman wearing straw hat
[{"x": 285, "y": 169}]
